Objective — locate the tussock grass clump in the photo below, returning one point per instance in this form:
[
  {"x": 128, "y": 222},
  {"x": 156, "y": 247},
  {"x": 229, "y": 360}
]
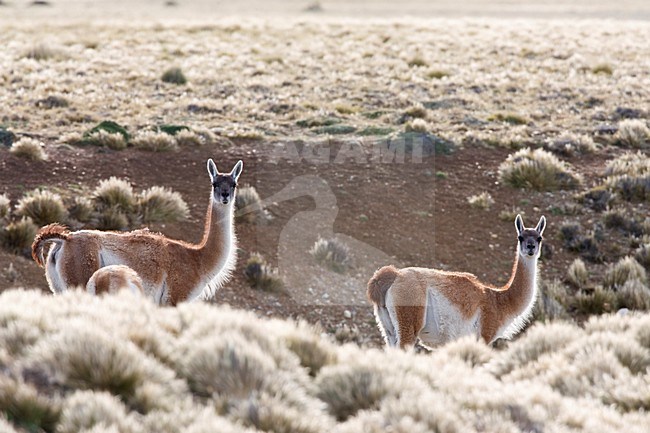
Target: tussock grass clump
[
  {"x": 629, "y": 176},
  {"x": 41, "y": 52},
  {"x": 598, "y": 301},
  {"x": 114, "y": 193},
  {"x": 174, "y": 75},
  {"x": 112, "y": 219},
  {"x": 261, "y": 276},
  {"x": 634, "y": 295},
  {"x": 82, "y": 209},
  {"x": 154, "y": 141},
  {"x": 603, "y": 69},
  {"x": 159, "y": 204},
  {"x": 632, "y": 133},
  {"x": 17, "y": 237},
  {"x": 437, "y": 74},
  {"x": 332, "y": 253},
  {"x": 417, "y": 125},
  {"x": 417, "y": 62},
  {"x": 313, "y": 352},
  {"x": 5, "y": 206},
  {"x": 511, "y": 118},
  {"x": 416, "y": 112},
  {"x": 538, "y": 170},
  {"x": 187, "y": 138},
  {"x": 481, "y": 201},
  {"x": 29, "y": 148},
  {"x": 42, "y": 206},
  {"x": 570, "y": 144},
  {"x": 112, "y": 140},
  {"x": 623, "y": 271},
  {"x": 248, "y": 205},
  {"x": 85, "y": 410},
  {"x": 552, "y": 302},
  {"x": 631, "y": 164},
  {"x": 26, "y": 408},
  {"x": 577, "y": 274},
  {"x": 642, "y": 255},
  {"x": 348, "y": 389}
]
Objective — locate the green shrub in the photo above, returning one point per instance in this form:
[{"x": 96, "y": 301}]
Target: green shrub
[
  {"x": 28, "y": 148},
  {"x": 262, "y": 276},
  {"x": 159, "y": 204},
  {"x": 174, "y": 76},
  {"x": 43, "y": 207},
  {"x": 332, "y": 253},
  {"x": 511, "y": 118},
  {"x": 110, "y": 127},
  {"x": 603, "y": 69},
  {"x": 538, "y": 170}
]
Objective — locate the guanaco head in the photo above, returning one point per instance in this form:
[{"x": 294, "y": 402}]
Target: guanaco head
[
  {"x": 224, "y": 184},
  {"x": 530, "y": 240}
]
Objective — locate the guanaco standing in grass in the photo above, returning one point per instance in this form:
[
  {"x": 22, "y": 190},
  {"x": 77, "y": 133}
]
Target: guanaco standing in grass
[
  {"x": 171, "y": 271},
  {"x": 438, "y": 306}
]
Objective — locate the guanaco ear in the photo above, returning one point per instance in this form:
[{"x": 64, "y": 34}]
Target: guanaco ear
[
  {"x": 212, "y": 169},
  {"x": 519, "y": 224},
  {"x": 237, "y": 170},
  {"x": 541, "y": 225}
]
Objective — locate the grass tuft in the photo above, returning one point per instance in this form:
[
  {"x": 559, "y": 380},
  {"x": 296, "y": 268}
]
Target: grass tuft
[
  {"x": 577, "y": 274},
  {"x": 17, "y": 237},
  {"x": 112, "y": 219},
  {"x": 632, "y": 133},
  {"x": 602, "y": 69},
  {"x": 26, "y": 408},
  {"x": 634, "y": 295},
  {"x": 511, "y": 118},
  {"x": 642, "y": 255},
  {"x": 417, "y": 125},
  {"x": 623, "y": 271},
  {"x": 43, "y": 207},
  {"x": 41, "y": 52},
  {"x": 82, "y": 209},
  {"x": 5, "y": 206},
  {"x": 261, "y": 276},
  {"x": 159, "y": 204},
  {"x": 332, "y": 253},
  {"x": 597, "y": 301},
  {"x": 102, "y": 138},
  {"x": 114, "y": 193},
  {"x": 481, "y": 201},
  {"x": 154, "y": 141},
  {"x": 174, "y": 75},
  {"x": 29, "y": 148},
  {"x": 538, "y": 170},
  {"x": 248, "y": 205}
]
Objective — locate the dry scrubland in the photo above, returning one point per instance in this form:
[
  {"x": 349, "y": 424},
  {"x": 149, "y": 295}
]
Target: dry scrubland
[
  {"x": 566, "y": 104},
  {"x": 79, "y": 363}
]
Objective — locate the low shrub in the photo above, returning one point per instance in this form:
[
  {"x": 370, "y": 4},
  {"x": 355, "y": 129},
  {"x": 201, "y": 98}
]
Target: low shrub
[
  {"x": 623, "y": 271},
  {"x": 174, "y": 75},
  {"x": 632, "y": 133},
  {"x": 43, "y": 207},
  {"x": 261, "y": 276},
  {"x": 597, "y": 301},
  {"x": 633, "y": 294},
  {"x": 154, "y": 141},
  {"x": 538, "y": 170},
  {"x": 332, "y": 253},
  {"x": 17, "y": 237},
  {"x": 481, "y": 201},
  {"x": 114, "y": 193},
  {"x": 159, "y": 204},
  {"x": 29, "y": 148}
]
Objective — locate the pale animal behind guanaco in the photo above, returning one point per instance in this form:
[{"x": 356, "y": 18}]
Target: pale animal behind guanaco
[
  {"x": 171, "y": 271},
  {"x": 437, "y": 307},
  {"x": 112, "y": 279}
]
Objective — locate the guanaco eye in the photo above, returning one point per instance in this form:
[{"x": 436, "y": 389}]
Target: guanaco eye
[
  {"x": 521, "y": 238},
  {"x": 539, "y": 239}
]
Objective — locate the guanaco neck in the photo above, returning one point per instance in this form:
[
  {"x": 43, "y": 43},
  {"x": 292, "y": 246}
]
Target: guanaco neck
[
  {"x": 214, "y": 248},
  {"x": 519, "y": 292}
]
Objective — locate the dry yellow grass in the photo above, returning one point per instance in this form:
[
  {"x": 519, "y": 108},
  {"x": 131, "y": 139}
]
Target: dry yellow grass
[{"x": 75, "y": 362}]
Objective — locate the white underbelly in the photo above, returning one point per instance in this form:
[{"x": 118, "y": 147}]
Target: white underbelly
[{"x": 443, "y": 322}]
